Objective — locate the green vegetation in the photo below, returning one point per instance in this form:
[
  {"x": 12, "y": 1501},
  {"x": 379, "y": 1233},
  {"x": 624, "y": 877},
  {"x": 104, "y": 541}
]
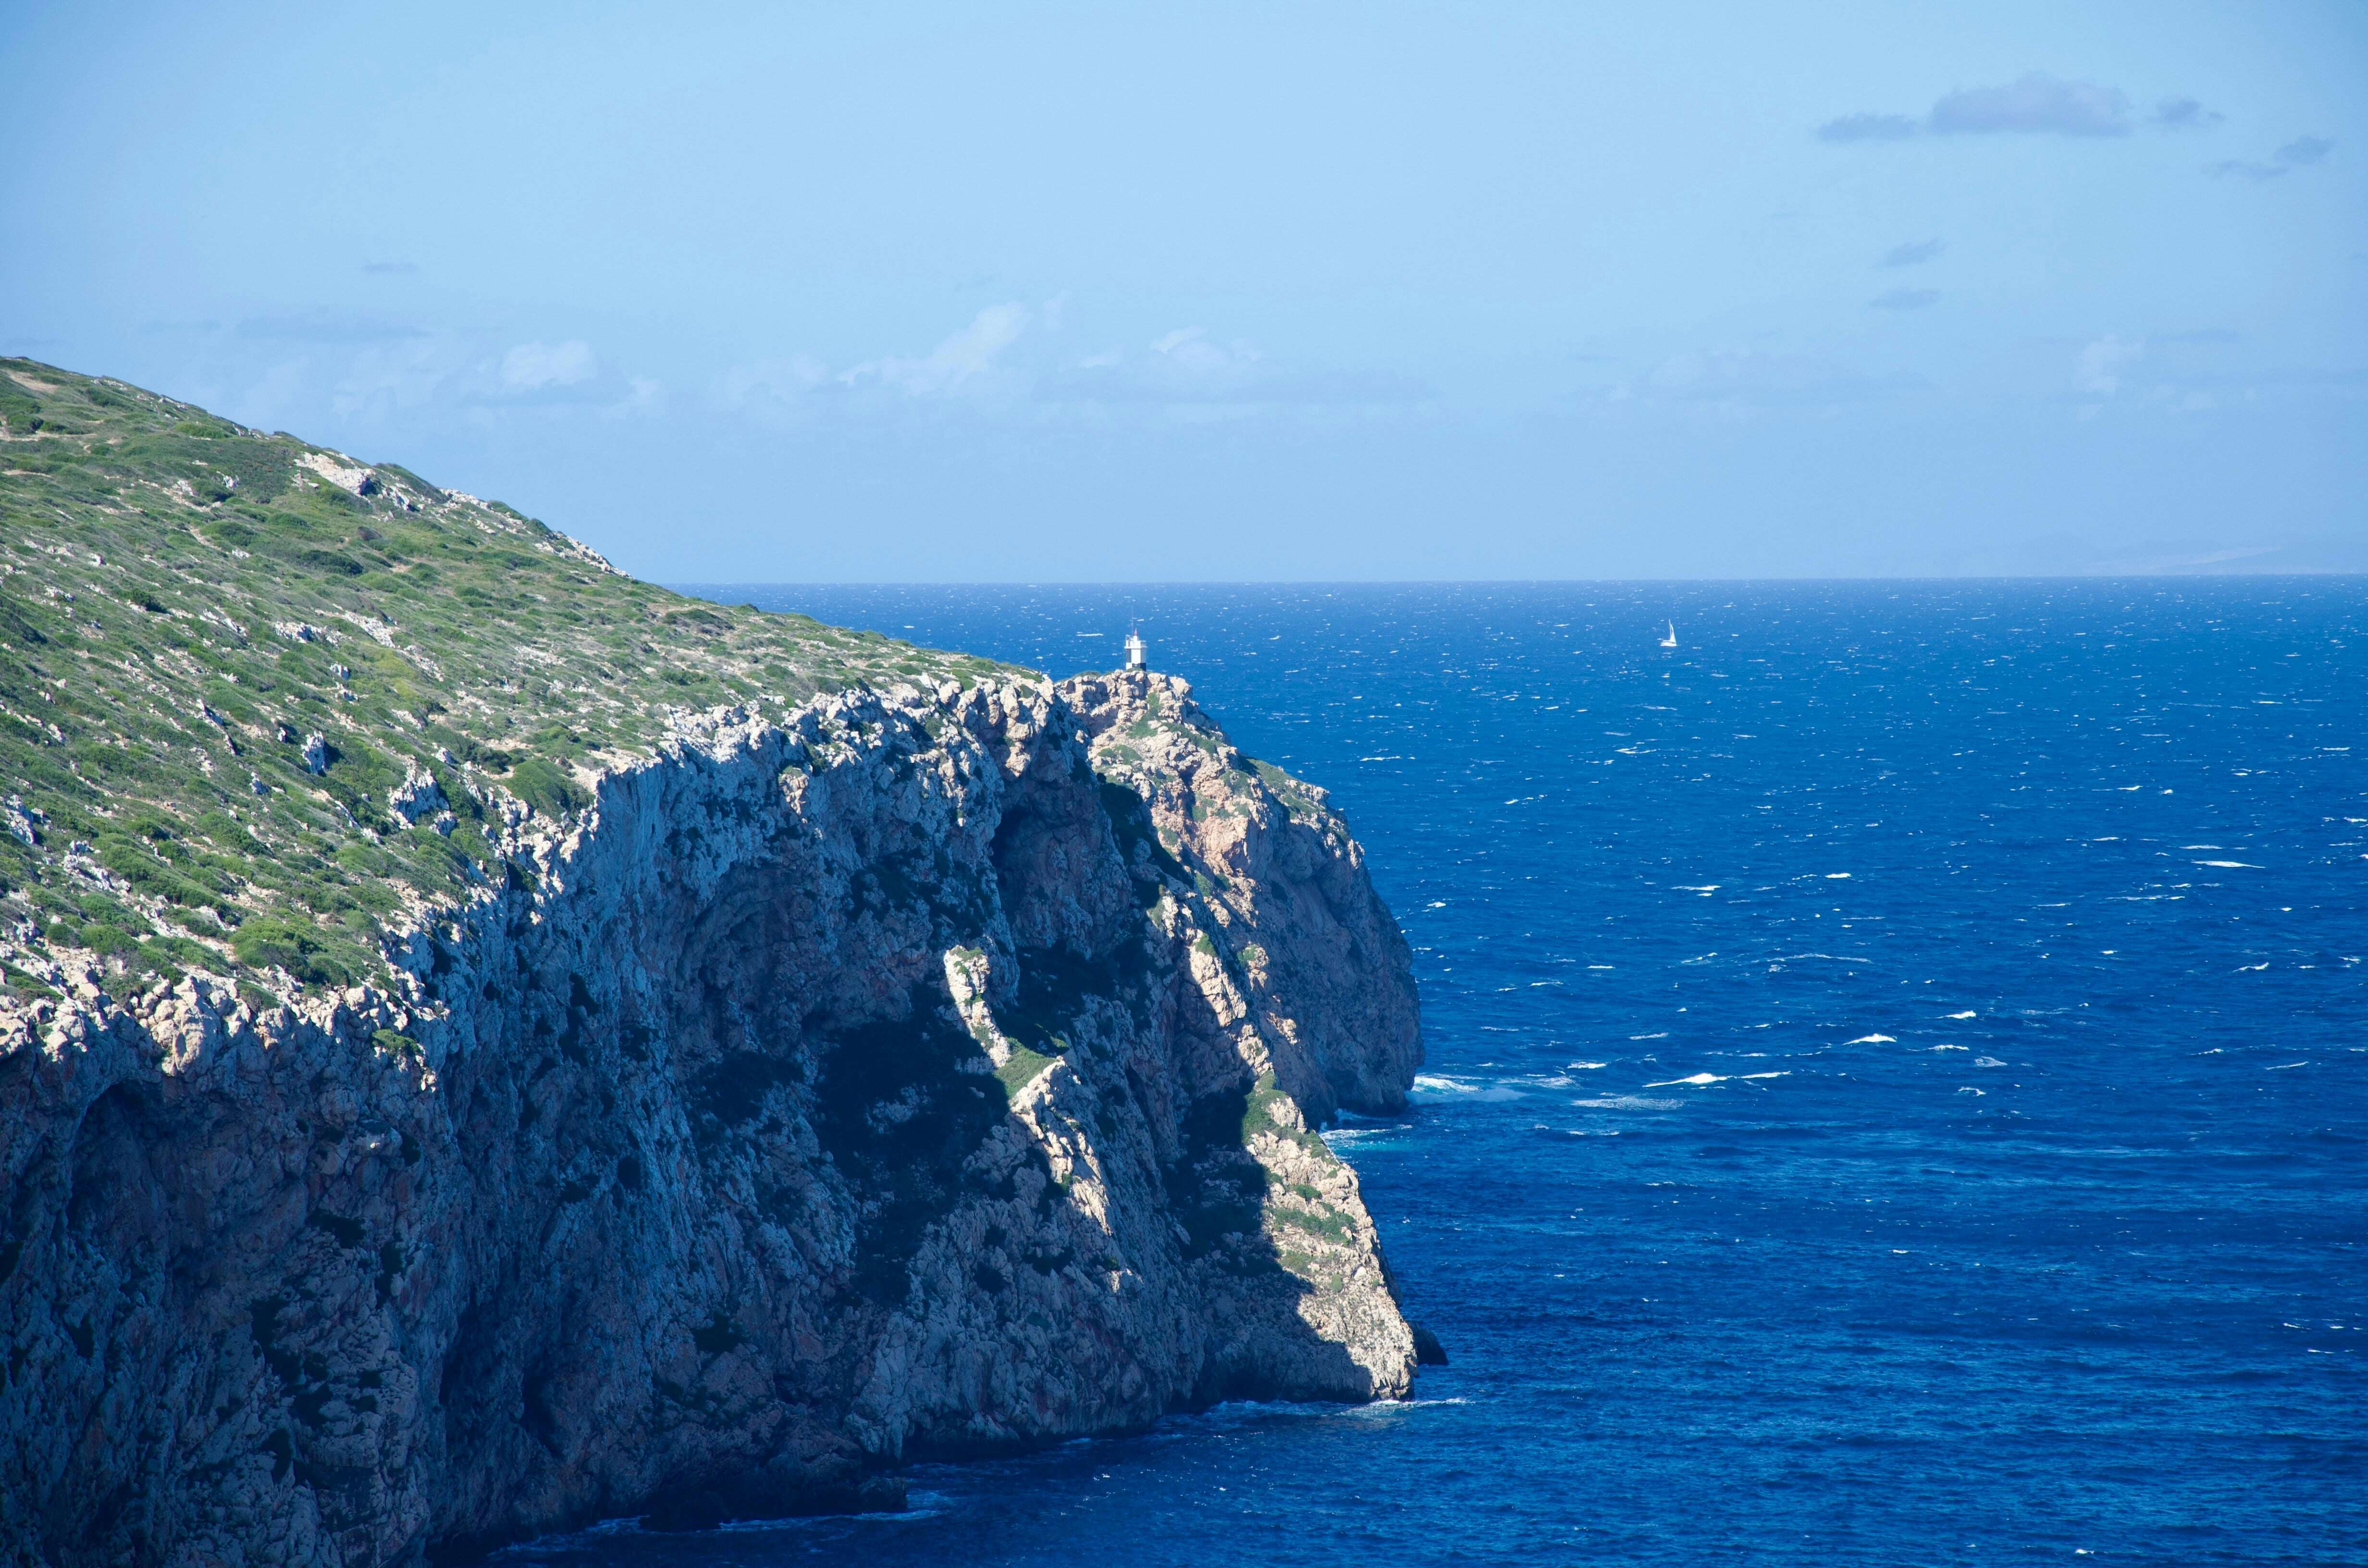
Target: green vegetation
[
  {"x": 1327, "y": 1224},
  {"x": 1257, "y": 1116},
  {"x": 1021, "y": 1070},
  {"x": 229, "y": 660},
  {"x": 1297, "y": 797}
]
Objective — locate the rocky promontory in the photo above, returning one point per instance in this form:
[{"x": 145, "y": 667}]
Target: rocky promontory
[{"x": 452, "y": 1086}]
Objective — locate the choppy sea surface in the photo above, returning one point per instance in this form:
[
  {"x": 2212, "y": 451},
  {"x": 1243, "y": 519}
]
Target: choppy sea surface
[{"x": 1898, "y": 1085}]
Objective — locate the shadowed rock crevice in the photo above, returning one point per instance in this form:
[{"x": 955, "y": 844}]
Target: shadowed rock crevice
[
  {"x": 900, "y": 1118},
  {"x": 827, "y": 1092}
]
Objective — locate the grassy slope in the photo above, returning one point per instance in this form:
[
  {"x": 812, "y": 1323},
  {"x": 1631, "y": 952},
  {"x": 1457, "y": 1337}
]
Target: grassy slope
[{"x": 183, "y": 603}]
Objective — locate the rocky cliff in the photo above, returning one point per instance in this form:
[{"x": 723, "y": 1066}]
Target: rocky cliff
[{"x": 772, "y": 1090}]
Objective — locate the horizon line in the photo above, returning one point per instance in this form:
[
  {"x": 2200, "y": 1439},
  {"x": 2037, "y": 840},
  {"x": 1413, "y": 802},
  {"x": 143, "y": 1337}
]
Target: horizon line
[{"x": 686, "y": 586}]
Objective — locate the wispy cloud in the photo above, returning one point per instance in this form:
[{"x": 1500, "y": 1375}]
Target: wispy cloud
[
  {"x": 326, "y": 326},
  {"x": 387, "y": 269},
  {"x": 771, "y": 386},
  {"x": 961, "y": 360},
  {"x": 1867, "y": 127},
  {"x": 531, "y": 366},
  {"x": 643, "y": 397},
  {"x": 383, "y": 380},
  {"x": 1185, "y": 368},
  {"x": 2034, "y": 104},
  {"x": 1915, "y": 253},
  {"x": 975, "y": 367},
  {"x": 2102, "y": 364},
  {"x": 1905, "y": 300},
  {"x": 1003, "y": 361},
  {"x": 1747, "y": 380},
  {"x": 368, "y": 373},
  {"x": 2184, "y": 114},
  {"x": 2299, "y": 153}
]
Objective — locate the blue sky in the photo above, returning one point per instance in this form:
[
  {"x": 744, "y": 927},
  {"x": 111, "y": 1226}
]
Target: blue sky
[{"x": 1036, "y": 292}]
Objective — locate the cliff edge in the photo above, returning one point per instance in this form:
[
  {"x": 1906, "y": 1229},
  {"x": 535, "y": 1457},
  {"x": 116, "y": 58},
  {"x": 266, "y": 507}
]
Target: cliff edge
[{"x": 593, "y": 1104}]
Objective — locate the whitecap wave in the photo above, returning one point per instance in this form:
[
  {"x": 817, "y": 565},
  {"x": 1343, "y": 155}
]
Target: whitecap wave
[
  {"x": 1430, "y": 1087},
  {"x": 1382, "y": 1409},
  {"x": 1873, "y": 1039}
]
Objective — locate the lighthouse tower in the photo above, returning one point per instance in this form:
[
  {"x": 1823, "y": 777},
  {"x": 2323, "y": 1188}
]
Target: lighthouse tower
[{"x": 1134, "y": 650}]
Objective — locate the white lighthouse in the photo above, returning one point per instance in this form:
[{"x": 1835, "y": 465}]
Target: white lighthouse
[{"x": 1134, "y": 650}]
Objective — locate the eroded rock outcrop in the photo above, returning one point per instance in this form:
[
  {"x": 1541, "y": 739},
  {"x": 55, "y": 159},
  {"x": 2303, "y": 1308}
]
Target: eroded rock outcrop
[{"x": 929, "y": 1072}]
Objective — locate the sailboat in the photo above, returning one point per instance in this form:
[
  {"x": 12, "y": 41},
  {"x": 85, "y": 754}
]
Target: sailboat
[{"x": 1672, "y": 640}]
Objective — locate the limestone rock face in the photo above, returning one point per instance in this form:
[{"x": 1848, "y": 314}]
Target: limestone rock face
[
  {"x": 417, "y": 796},
  {"x": 1313, "y": 954},
  {"x": 928, "y": 1071}
]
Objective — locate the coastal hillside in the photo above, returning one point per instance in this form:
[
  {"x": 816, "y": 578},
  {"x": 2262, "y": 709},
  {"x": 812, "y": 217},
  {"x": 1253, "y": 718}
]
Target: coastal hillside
[
  {"x": 237, "y": 669},
  {"x": 489, "y": 1044}
]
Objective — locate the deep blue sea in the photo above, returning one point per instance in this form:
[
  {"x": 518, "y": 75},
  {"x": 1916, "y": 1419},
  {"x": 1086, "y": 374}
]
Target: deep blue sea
[{"x": 1897, "y": 1087}]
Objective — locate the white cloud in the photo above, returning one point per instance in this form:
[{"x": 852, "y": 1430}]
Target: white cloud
[
  {"x": 643, "y": 396},
  {"x": 960, "y": 361},
  {"x": 1183, "y": 372},
  {"x": 775, "y": 391},
  {"x": 2101, "y": 364},
  {"x": 1735, "y": 380},
  {"x": 793, "y": 377},
  {"x": 385, "y": 379},
  {"x": 1002, "y": 362},
  {"x": 1190, "y": 349},
  {"x": 531, "y": 366},
  {"x": 967, "y": 367}
]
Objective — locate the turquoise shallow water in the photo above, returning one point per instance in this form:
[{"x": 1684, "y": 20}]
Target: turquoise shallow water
[{"x": 1896, "y": 1082}]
